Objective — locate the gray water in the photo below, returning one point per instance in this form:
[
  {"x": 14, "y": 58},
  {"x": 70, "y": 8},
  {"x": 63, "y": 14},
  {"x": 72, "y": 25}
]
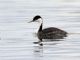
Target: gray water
[{"x": 17, "y": 36}]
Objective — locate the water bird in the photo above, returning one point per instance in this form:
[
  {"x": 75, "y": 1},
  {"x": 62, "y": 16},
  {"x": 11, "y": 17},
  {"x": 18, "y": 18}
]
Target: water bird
[{"x": 48, "y": 33}]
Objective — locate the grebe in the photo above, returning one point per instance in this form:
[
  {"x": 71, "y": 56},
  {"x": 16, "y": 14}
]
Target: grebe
[{"x": 48, "y": 33}]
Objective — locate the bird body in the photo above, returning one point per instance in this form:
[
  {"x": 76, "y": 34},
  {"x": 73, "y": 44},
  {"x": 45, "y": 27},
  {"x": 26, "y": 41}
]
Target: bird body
[
  {"x": 48, "y": 33},
  {"x": 51, "y": 33}
]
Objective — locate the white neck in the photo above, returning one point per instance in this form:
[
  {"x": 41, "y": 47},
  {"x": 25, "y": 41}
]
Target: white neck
[{"x": 39, "y": 22}]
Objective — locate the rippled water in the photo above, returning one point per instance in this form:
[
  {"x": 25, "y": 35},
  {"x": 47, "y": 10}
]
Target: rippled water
[{"x": 17, "y": 36}]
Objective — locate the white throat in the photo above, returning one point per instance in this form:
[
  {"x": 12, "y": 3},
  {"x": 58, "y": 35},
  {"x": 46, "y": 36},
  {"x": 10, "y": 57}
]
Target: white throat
[{"x": 40, "y": 20}]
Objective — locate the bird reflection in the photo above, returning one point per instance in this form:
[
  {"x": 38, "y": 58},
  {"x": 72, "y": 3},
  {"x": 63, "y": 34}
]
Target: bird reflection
[
  {"x": 53, "y": 41},
  {"x": 38, "y": 51}
]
